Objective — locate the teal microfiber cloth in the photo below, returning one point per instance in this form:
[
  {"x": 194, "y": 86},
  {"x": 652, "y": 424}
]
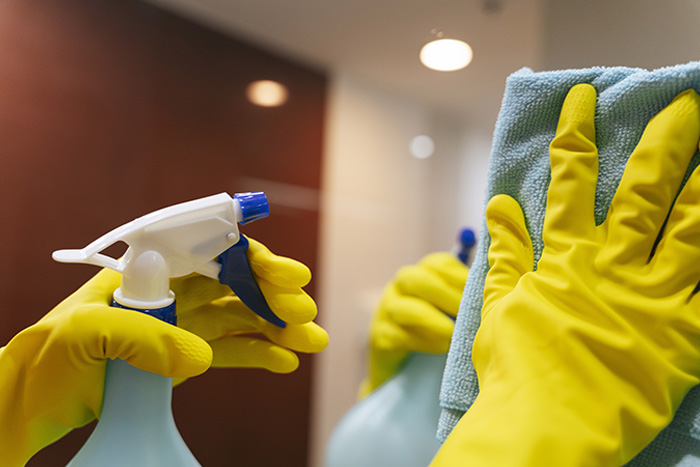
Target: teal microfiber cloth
[{"x": 519, "y": 167}]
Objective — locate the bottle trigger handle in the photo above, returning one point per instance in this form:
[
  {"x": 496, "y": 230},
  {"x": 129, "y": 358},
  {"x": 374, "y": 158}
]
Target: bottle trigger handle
[{"x": 236, "y": 274}]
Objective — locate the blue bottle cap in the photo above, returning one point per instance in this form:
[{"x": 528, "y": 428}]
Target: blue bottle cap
[{"x": 253, "y": 206}]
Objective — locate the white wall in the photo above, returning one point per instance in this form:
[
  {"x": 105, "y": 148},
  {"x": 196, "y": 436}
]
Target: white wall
[
  {"x": 638, "y": 33},
  {"x": 458, "y": 178}
]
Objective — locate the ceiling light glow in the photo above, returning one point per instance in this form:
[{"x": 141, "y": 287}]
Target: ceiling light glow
[
  {"x": 422, "y": 146},
  {"x": 267, "y": 93},
  {"x": 446, "y": 55}
]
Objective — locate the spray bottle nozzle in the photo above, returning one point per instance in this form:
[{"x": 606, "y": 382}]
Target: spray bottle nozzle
[
  {"x": 466, "y": 241},
  {"x": 178, "y": 240},
  {"x": 253, "y": 206}
]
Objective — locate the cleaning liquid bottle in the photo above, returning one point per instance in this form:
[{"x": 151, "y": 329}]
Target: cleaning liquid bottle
[
  {"x": 136, "y": 427},
  {"x": 396, "y": 425}
]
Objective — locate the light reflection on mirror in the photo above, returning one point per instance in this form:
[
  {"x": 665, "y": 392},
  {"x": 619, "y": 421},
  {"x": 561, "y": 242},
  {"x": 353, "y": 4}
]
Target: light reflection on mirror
[{"x": 267, "y": 93}]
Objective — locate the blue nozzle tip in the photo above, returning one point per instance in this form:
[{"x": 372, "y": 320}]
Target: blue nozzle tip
[
  {"x": 467, "y": 238},
  {"x": 253, "y": 206}
]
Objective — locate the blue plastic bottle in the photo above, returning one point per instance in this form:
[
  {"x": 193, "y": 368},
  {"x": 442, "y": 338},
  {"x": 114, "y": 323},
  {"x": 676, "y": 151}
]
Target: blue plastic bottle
[
  {"x": 136, "y": 427},
  {"x": 396, "y": 425}
]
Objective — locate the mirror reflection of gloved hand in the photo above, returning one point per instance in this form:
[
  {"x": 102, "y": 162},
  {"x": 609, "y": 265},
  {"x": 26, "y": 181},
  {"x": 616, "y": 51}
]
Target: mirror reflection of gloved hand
[
  {"x": 52, "y": 373},
  {"x": 414, "y": 315},
  {"x": 584, "y": 360}
]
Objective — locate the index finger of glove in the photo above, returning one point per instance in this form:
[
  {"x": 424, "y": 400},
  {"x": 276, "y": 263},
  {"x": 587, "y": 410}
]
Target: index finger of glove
[
  {"x": 278, "y": 270},
  {"x": 574, "y": 168},
  {"x": 143, "y": 341},
  {"x": 425, "y": 284}
]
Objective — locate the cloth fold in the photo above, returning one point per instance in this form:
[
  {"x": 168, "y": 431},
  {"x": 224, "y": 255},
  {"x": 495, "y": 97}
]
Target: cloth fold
[{"x": 519, "y": 167}]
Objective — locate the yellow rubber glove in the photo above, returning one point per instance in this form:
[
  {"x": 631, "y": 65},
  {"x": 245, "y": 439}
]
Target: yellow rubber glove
[
  {"x": 52, "y": 373},
  {"x": 412, "y": 315},
  {"x": 584, "y": 360}
]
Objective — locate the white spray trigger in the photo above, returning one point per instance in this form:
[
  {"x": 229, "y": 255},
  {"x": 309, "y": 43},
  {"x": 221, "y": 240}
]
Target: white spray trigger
[{"x": 187, "y": 235}]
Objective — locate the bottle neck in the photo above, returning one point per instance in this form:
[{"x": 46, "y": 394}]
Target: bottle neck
[
  {"x": 136, "y": 396},
  {"x": 145, "y": 281},
  {"x": 136, "y": 426}
]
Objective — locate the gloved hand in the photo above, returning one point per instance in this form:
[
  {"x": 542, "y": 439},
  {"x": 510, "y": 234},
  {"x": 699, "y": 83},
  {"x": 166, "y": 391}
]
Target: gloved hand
[
  {"x": 239, "y": 337},
  {"x": 584, "y": 360},
  {"x": 413, "y": 315},
  {"x": 52, "y": 373}
]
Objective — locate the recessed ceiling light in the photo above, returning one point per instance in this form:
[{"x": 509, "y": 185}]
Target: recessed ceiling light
[
  {"x": 446, "y": 55},
  {"x": 422, "y": 146},
  {"x": 267, "y": 93}
]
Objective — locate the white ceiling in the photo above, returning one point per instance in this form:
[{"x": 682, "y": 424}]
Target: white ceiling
[{"x": 379, "y": 41}]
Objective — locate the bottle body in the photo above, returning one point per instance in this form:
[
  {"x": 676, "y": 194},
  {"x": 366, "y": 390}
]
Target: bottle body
[
  {"x": 396, "y": 425},
  {"x": 137, "y": 425}
]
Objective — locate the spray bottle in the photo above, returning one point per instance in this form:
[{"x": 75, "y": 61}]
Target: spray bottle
[
  {"x": 396, "y": 425},
  {"x": 137, "y": 426}
]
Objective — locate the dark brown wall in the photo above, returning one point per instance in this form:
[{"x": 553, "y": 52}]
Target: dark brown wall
[{"x": 112, "y": 109}]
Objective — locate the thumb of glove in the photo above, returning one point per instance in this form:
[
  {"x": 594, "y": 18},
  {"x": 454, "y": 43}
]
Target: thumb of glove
[{"x": 101, "y": 332}]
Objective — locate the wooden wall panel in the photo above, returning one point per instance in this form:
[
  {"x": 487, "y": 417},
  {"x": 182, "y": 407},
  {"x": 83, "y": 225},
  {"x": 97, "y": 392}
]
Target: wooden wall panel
[{"x": 111, "y": 109}]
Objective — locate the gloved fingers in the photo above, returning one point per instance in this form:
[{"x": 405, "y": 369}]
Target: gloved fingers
[
  {"x": 229, "y": 316},
  {"x": 447, "y": 266},
  {"x": 307, "y": 337},
  {"x": 574, "y": 168},
  {"x": 651, "y": 180},
  {"x": 97, "y": 333},
  {"x": 249, "y": 351},
  {"x": 391, "y": 337},
  {"x": 423, "y": 283},
  {"x": 410, "y": 312},
  {"x": 417, "y": 318},
  {"x": 279, "y": 270},
  {"x": 510, "y": 252},
  {"x": 676, "y": 261},
  {"x": 195, "y": 290},
  {"x": 252, "y": 352},
  {"x": 219, "y": 318},
  {"x": 292, "y": 305}
]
